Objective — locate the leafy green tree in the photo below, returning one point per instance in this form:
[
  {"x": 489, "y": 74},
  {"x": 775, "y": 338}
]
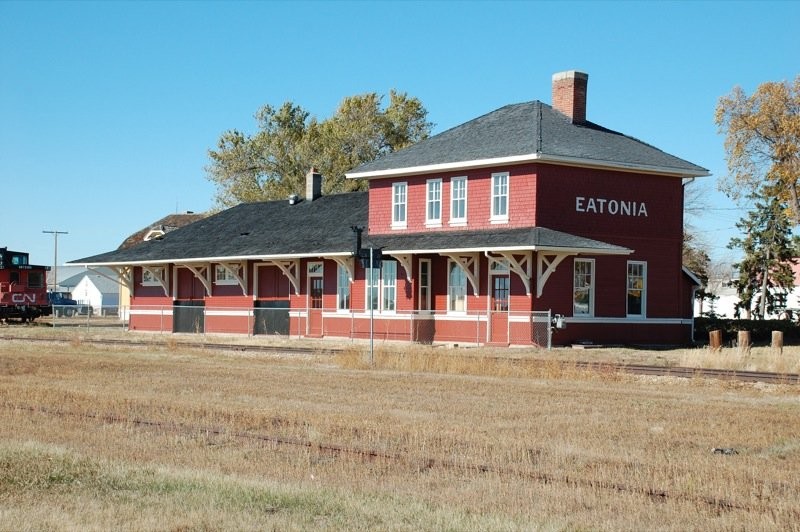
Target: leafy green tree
[
  {"x": 762, "y": 141},
  {"x": 273, "y": 162},
  {"x": 765, "y": 272}
]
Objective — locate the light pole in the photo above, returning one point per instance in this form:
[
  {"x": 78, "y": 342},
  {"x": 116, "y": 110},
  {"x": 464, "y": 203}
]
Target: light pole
[{"x": 55, "y": 254}]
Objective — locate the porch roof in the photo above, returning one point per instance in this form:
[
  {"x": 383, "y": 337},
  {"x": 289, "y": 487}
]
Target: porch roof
[
  {"x": 277, "y": 230},
  {"x": 524, "y": 238}
]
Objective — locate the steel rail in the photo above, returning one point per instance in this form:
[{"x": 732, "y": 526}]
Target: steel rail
[
  {"x": 421, "y": 462},
  {"x": 634, "y": 369}
]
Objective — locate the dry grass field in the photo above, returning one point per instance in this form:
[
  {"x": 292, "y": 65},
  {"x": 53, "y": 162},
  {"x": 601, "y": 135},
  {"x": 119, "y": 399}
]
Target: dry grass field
[{"x": 167, "y": 438}]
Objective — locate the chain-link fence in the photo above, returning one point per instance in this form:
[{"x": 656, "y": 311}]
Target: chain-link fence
[
  {"x": 87, "y": 316},
  {"x": 467, "y": 328}
]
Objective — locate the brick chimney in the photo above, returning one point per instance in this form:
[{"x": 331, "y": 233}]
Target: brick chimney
[
  {"x": 569, "y": 94},
  {"x": 313, "y": 184}
]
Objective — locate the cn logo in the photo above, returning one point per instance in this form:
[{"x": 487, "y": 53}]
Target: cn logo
[{"x": 23, "y": 298}]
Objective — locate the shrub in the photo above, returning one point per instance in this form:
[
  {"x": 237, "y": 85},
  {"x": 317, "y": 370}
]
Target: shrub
[{"x": 760, "y": 330}]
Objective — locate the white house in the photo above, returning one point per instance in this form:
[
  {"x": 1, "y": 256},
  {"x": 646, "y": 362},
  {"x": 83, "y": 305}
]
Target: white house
[
  {"x": 727, "y": 298},
  {"x": 94, "y": 289}
]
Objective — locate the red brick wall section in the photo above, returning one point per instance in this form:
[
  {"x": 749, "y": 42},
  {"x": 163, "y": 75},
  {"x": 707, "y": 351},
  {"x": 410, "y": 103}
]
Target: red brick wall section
[{"x": 569, "y": 94}]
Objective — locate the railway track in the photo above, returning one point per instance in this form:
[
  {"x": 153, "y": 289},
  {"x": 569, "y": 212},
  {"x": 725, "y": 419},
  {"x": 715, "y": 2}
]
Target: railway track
[
  {"x": 422, "y": 463},
  {"x": 634, "y": 369}
]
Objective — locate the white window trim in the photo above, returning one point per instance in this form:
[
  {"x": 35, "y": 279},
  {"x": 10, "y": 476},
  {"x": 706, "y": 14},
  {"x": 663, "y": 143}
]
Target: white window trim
[
  {"x": 229, "y": 278},
  {"x": 592, "y": 288},
  {"x": 453, "y": 219},
  {"x": 466, "y": 286},
  {"x": 500, "y": 218},
  {"x": 432, "y": 222},
  {"x": 643, "y": 315},
  {"x": 396, "y": 224}
]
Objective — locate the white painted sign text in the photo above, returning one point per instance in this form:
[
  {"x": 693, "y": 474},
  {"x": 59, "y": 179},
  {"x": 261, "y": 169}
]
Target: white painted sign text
[{"x": 613, "y": 207}]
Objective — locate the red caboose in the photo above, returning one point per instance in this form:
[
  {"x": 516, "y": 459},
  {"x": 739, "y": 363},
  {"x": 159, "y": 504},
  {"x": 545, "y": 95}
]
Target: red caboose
[{"x": 23, "y": 287}]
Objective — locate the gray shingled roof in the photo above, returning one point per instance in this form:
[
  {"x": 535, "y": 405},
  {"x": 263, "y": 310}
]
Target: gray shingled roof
[
  {"x": 497, "y": 239},
  {"x": 269, "y": 228},
  {"x": 526, "y": 129},
  {"x": 103, "y": 283},
  {"x": 321, "y": 227}
]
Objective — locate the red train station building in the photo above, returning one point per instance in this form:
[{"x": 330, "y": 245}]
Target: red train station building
[{"x": 487, "y": 231}]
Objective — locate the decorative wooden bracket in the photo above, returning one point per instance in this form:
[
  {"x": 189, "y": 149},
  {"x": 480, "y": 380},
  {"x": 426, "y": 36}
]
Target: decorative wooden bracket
[
  {"x": 201, "y": 272},
  {"x": 124, "y": 276},
  {"x": 545, "y": 267},
  {"x": 519, "y": 262},
  {"x": 234, "y": 268},
  {"x": 405, "y": 261},
  {"x": 286, "y": 266},
  {"x": 470, "y": 264},
  {"x": 347, "y": 263}
]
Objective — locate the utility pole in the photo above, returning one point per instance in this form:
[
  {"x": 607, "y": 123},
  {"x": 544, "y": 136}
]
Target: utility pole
[{"x": 55, "y": 254}]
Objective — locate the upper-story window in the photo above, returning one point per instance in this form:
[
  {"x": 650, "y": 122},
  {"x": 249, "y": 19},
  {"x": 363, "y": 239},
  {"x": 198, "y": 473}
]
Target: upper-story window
[
  {"x": 458, "y": 200},
  {"x": 500, "y": 197},
  {"x": 399, "y": 201},
  {"x": 433, "y": 213}
]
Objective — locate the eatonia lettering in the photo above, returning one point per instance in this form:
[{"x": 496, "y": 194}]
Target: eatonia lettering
[{"x": 607, "y": 206}]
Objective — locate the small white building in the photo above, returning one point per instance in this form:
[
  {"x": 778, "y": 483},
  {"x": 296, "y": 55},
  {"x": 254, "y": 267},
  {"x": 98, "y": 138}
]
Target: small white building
[
  {"x": 727, "y": 298},
  {"x": 96, "y": 290}
]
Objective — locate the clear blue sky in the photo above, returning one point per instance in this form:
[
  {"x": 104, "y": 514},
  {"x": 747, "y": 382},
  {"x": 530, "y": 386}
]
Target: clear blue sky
[{"x": 108, "y": 109}]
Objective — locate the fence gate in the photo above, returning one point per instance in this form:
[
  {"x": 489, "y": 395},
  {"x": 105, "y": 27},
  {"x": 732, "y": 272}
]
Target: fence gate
[
  {"x": 542, "y": 330},
  {"x": 271, "y": 317},
  {"x": 188, "y": 317}
]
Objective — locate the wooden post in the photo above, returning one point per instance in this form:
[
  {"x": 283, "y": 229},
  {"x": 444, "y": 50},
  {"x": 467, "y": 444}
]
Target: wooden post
[
  {"x": 777, "y": 341},
  {"x": 743, "y": 340},
  {"x": 715, "y": 340}
]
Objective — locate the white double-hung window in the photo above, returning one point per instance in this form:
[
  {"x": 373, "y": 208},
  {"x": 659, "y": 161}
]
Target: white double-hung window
[
  {"x": 382, "y": 287},
  {"x": 637, "y": 289},
  {"x": 399, "y": 202},
  {"x": 342, "y": 288},
  {"x": 456, "y": 288},
  {"x": 458, "y": 201},
  {"x": 499, "y": 197},
  {"x": 433, "y": 212},
  {"x": 583, "y": 288}
]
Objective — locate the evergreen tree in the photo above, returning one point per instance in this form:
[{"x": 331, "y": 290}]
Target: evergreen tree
[{"x": 765, "y": 272}]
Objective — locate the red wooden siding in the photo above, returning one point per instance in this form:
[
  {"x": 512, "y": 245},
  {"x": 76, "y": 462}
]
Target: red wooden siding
[{"x": 522, "y": 200}]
